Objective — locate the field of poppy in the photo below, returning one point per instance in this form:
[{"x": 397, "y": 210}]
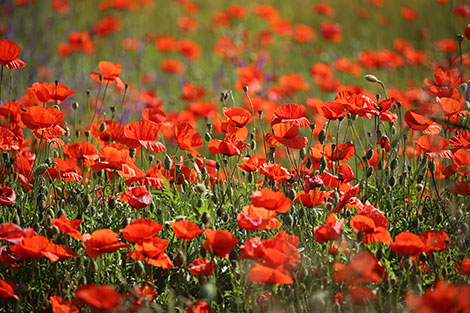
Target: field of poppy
[{"x": 220, "y": 156}]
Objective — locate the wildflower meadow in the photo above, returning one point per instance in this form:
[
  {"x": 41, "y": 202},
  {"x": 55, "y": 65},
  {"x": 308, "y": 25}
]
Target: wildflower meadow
[{"x": 264, "y": 156}]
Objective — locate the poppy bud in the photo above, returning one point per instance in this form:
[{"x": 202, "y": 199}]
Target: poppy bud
[
  {"x": 207, "y": 136},
  {"x": 201, "y": 188},
  {"x": 203, "y": 252},
  {"x": 392, "y": 181},
  {"x": 253, "y": 145},
  {"x": 112, "y": 108},
  {"x": 308, "y": 163},
  {"x": 408, "y": 263},
  {"x": 94, "y": 266},
  {"x": 419, "y": 187},
  {"x": 260, "y": 112},
  {"x": 226, "y": 218},
  {"x": 462, "y": 88},
  {"x": 111, "y": 203},
  {"x": 322, "y": 136},
  {"x": 369, "y": 154},
  {"x": 394, "y": 164},
  {"x": 360, "y": 236},
  {"x": 245, "y": 89},
  {"x": 139, "y": 268},
  {"x": 369, "y": 171},
  {"x": 208, "y": 291},
  {"x": 167, "y": 162},
  {"x": 205, "y": 218},
  {"x": 40, "y": 169},
  {"x": 77, "y": 133},
  {"x": 459, "y": 37},
  {"x": 303, "y": 153},
  {"x": 380, "y": 165},
  {"x": 371, "y": 78},
  {"x": 82, "y": 280},
  {"x": 87, "y": 134},
  {"x": 432, "y": 166},
  {"x": 233, "y": 255},
  {"x": 329, "y": 207},
  {"x": 323, "y": 163},
  {"x": 200, "y": 203},
  {"x": 379, "y": 254},
  {"x": 52, "y": 231},
  {"x": 179, "y": 259},
  {"x": 102, "y": 127},
  {"x": 335, "y": 198},
  {"x": 420, "y": 177},
  {"x": 75, "y": 105}
]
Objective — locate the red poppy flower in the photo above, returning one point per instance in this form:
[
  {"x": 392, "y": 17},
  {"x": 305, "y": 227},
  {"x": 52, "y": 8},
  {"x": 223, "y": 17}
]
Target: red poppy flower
[
  {"x": 331, "y": 230},
  {"x": 303, "y": 33},
  {"x": 445, "y": 83},
  {"x": 434, "y": 146},
  {"x": 67, "y": 226},
  {"x": 107, "y": 25},
  {"x": 408, "y": 14},
  {"x": 219, "y": 242},
  {"x": 9, "y": 140},
  {"x": 253, "y": 218},
  {"x": 7, "y": 289},
  {"x": 199, "y": 307},
  {"x": 188, "y": 138},
  {"x": 434, "y": 240},
  {"x": 140, "y": 230},
  {"x": 13, "y": 233},
  {"x": 9, "y": 52},
  {"x": 152, "y": 251},
  {"x": 363, "y": 268},
  {"x": 192, "y": 92},
  {"x": 444, "y": 297},
  {"x": 268, "y": 275},
  {"x": 331, "y": 31},
  {"x": 46, "y": 92},
  {"x": 271, "y": 200},
  {"x": 39, "y": 117},
  {"x": 101, "y": 297},
  {"x": 145, "y": 133},
  {"x": 109, "y": 73},
  {"x": 324, "y": 8},
  {"x": 340, "y": 152},
  {"x": 408, "y": 244},
  {"x": 285, "y": 134},
  {"x": 37, "y": 247},
  {"x": 186, "y": 229},
  {"x": 251, "y": 164},
  {"x": 102, "y": 241},
  {"x": 81, "y": 150},
  {"x": 229, "y": 146},
  {"x": 59, "y": 305},
  {"x": 112, "y": 158},
  {"x": 138, "y": 197},
  {"x": 361, "y": 295},
  {"x": 312, "y": 197},
  {"x": 237, "y": 117},
  {"x": 7, "y": 196},
  {"x": 189, "y": 49},
  {"x": 371, "y": 232},
  {"x": 275, "y": 171},
  {"x": 203, "y": 266},
  {"x": 417, "y": 121},
  {"x": 173, "y": 66}
]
